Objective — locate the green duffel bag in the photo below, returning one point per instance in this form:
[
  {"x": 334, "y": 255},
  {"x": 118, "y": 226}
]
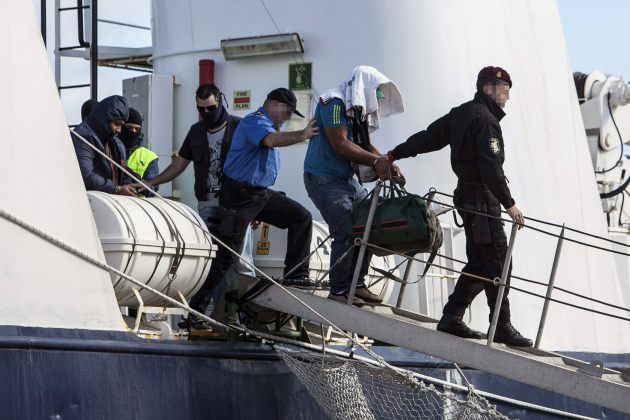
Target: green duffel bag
[{"x": 403, "y": 223}]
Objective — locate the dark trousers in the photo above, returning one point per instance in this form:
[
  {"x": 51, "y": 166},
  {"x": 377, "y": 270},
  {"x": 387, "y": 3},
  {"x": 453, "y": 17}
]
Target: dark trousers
[
  {"x": 243, "y": 205},
  {"x": 486, "y": 248}
]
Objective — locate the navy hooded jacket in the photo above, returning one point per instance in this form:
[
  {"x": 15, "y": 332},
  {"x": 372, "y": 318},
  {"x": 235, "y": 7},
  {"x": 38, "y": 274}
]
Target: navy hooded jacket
[{"x": 95, "y": 169}]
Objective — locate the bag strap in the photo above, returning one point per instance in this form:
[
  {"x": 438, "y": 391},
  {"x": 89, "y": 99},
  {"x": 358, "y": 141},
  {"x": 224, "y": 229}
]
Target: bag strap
[
  {"x": 360, "y": 132},
  {"x": 394, "y": 189},
  {"x": 435, "y": 247},
  {"x": 429, "y": 263}
]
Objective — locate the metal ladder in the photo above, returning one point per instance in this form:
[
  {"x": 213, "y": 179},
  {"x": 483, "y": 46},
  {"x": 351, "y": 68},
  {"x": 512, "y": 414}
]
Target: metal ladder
[
  {"x": 136, "y": 59},
  {"x": 91, "y": 46}
]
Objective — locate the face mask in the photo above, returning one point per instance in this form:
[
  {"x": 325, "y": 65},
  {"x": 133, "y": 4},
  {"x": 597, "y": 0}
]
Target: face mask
[
  {"x": 215, "y": 117},
  {"x": 129, "y": 138}
]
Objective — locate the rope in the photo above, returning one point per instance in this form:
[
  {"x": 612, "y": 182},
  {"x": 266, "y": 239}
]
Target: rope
[
  {"x": 508, "y": 286},
  {"x": 296, "y": 57},
  {"x": 543, "y": 222},
  {"x": 162, "y": 246},
  {"x": 555, "y": 235},
  {"x": 379, "y": 359},
  {"x": 130, "y": 231},
  {"x": 546, "y": 285}
]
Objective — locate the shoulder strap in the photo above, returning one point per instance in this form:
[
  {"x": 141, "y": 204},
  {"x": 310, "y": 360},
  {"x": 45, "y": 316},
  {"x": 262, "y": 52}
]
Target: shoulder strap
[
  {"x": 360, "y": 134},
  {"x": 226, "y": 144},
  {"x": 429, "y": 263}
]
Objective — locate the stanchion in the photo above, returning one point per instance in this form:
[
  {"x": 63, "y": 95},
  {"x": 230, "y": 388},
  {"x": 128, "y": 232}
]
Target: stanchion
[
  {"x": 403, "y": 285},
  {"x": 552, "y": 280},
  {"x": 366, "y": 235},
  {"x": 504, "y": 274}
]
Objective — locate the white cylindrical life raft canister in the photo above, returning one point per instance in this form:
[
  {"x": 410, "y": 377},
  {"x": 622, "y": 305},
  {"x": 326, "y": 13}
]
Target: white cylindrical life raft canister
[
  {"x": 163, "y": 245},
  {"x": 270, "y": 246}
]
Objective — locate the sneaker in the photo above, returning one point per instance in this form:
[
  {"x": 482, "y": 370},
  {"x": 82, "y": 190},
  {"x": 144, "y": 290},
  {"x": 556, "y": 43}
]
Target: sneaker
[
  {"x": 343, "y": 298},
  {"x": 366, "y": 295},
  {"x": 508, "y": 335},
  {"x": 302, "y": 282},
  {"x": 452, "y": 324}
]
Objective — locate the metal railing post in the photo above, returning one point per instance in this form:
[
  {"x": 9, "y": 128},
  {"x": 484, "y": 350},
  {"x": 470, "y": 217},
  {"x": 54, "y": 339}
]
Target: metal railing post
[
  {"x": 552, "y": 280},
  {"x": 366, "y": 234},
  {"x": 404, "y": 283},
  {"x": 93, "y": 50},
  {"x": 504, "y": 274}
]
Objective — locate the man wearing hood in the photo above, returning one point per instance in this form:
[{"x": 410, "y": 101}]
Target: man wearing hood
[
  {"x": 140, "y": 160},
  {"x": 477, "y": 154},
  {"x": 100, "y": 128},
  {"x": 206, "y": 145},
  {"x": 346, "y": 116}
]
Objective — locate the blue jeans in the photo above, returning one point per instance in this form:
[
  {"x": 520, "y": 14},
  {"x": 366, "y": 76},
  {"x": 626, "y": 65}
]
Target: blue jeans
[
  {"x": 334, "y": 198},
  {"x": 210, "y": 215}
]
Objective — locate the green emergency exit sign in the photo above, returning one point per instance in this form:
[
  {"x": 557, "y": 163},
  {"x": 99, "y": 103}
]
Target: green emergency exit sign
[{"x": 300, "y": 76}]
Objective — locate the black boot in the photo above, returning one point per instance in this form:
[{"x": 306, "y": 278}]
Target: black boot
[
  {"x": 453, "y": 324},
  {"x": 508, "y": 335}
]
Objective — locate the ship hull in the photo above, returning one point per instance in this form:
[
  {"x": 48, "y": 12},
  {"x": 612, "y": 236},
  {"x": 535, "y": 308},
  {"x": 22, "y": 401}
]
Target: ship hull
[{"x": 81, "y": 374}]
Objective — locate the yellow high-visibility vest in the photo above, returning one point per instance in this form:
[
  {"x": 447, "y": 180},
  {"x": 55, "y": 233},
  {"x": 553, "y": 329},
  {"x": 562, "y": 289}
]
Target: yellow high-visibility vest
[{"x": 140, "y": 159}]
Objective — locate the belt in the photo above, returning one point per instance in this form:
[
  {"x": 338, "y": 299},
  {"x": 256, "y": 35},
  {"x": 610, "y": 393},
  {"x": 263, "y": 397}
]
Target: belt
[
  {"x": 471, "y": 185},
  {"x": 242, "y": 186}
]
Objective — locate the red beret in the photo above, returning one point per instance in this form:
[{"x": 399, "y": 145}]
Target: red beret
[{"x": 495, "y": 73}]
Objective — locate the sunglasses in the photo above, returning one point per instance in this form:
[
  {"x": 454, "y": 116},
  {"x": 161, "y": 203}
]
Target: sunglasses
[{"x": 203, "y": 109}]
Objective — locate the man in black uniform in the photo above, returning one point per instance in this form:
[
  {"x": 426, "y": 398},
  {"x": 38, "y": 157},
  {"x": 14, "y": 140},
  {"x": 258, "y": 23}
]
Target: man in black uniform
[{"x": 477, "y": 154}]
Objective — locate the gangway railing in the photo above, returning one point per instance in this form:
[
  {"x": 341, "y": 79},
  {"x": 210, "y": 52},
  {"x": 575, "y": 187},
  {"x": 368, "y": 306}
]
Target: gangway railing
[{"x": 561, "y": 238}]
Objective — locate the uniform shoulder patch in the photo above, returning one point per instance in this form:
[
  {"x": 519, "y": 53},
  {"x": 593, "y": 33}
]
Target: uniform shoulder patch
[{"x": 495, "y": 145}]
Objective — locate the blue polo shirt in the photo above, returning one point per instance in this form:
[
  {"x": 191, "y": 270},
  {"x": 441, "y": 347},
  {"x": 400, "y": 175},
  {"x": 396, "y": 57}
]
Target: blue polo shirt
[
  {"x": 321, "y": 159},
  {"x": 248, "y": 160}
]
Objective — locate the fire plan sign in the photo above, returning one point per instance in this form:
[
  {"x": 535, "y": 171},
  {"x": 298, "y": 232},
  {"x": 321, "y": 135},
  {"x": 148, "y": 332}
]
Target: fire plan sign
[{"x": 242, "y": 100}]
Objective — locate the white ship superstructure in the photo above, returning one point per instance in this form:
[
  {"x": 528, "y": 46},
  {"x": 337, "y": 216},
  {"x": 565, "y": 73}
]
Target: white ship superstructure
[{"x": 433, "y": 53}]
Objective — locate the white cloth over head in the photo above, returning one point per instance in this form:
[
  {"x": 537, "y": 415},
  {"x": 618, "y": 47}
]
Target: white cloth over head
[{"x": 359, "y": 90}]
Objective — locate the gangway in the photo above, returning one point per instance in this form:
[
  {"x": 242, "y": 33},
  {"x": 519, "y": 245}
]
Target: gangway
[{"x": 590, "y": 382}]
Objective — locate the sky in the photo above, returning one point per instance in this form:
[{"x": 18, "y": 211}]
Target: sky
[{"x": 596, "y": 35}]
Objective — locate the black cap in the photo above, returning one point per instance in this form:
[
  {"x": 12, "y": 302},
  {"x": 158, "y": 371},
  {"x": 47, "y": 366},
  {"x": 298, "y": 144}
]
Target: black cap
[
  {"x": 285, "y": 96},
  {"x": 134, "y": 117}
]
